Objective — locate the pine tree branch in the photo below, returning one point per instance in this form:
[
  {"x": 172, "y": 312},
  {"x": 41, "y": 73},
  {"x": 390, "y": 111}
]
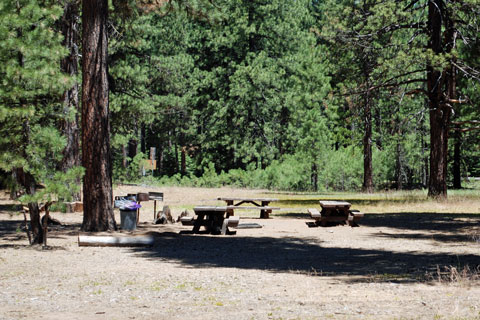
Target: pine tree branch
[
  {"x": 467, "y": 70},
  {"x": 460, "y": 123},
  {"x": 458, "y": 101},
  {"x": 465, "y": 129},
  {"x": 396, "y": 84}
]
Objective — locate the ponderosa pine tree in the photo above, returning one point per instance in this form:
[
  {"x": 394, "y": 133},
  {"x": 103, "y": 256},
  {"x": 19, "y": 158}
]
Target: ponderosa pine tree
[
  {"x": 229, "y": 88},
  {"x": 96, "y": 154},
  {"x": 353, "y": 60},
  {"x": 69, "y": 125},
  {"x": 423, "y": 50},
  {"x": 253, "y": 80},
  {"x": 30, "y": 108}
]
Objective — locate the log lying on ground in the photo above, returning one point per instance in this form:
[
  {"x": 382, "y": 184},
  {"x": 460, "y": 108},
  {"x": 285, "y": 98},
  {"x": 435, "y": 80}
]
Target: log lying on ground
[{"x": 112, "y": 241}]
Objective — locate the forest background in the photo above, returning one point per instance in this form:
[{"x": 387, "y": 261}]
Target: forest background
[{"x": 279, "y": 94}]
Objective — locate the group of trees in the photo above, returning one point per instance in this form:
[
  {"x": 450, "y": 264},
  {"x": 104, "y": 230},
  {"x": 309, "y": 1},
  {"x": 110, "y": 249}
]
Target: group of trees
[
  {"x": 313, "y": 86},
  {"x": 251, "y": 85}
]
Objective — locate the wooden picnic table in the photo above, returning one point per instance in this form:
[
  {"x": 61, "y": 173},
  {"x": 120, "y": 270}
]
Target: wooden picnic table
[
  {"x": 335, "y": 212},
  {"x": 259, "y": 203},
  {"x": 214, "y": 219}
]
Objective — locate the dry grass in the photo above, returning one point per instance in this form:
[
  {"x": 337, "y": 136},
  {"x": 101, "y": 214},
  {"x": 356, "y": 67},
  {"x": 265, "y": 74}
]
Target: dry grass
[
  {"x": 464, "y": 276},
  {"x": 459, "y": 201},
  {"x": 451, "y": 205}
]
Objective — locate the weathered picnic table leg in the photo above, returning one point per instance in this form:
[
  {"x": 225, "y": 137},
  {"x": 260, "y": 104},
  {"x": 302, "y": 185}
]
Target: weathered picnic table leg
[
  {"x": 326, "y": 213},
  {"x": 265, "y": 214},
  {"x": 324, "y": 219},
  {"x": 229, "y": 211},
  {"x": 198, "y": 222},
  {"x": 216, "y": 222},
  {"x": 154, "y": 210}
]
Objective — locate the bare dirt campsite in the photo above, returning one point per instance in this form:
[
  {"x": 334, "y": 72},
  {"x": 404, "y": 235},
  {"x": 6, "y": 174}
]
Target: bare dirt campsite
[{"x": 408, "y": 259}]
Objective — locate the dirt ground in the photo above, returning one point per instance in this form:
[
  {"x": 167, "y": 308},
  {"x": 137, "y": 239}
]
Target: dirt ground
[{"x": 394, "y": 266}]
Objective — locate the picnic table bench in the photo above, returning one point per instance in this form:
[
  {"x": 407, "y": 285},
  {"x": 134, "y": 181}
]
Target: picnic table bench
[
  {"x": 261, "y": 204},
  {"x": 337, "y": 212},
  {"x": 215, "y": 220}
]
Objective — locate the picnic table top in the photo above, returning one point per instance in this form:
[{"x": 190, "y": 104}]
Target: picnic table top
[
  {"x": 210, "y": 208},
  {"x": 246, "y": 199},
  {"x": 224, "y": 208},
  {"x": 333, "y": 204}
]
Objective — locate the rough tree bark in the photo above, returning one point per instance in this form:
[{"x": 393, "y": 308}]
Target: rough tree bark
[
  {"x": 440, "y": 85},
  {"x": 69, "y": 65},
  {"x": 367, "y": 145},
  {"x": 457, "y": 173},
  {"x": 96, "y": 156},
  {"x": 27, "y": 181}
]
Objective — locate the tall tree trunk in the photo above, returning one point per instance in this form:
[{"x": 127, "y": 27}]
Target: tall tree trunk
[
  {"x": 457, "y": 172},
  {"x": 96, "y": 156},
  {"x": 438, "y": 97},
  {"x": 183, "y": 159},
  {"x": 69, "y": 65},
  {"x": 399, "y": 169},
  {"x": 367, "y": 145},
  {"x": 27, "y": 181},
  {"x": 160, "y": 161},
  {"x": 124, "y": 157},
  {"x": 143, "y": 139},
  {"x": 314, "y": 176},
  {"x": 423, "y": 133},
  {"x": 132, "y": 148}
]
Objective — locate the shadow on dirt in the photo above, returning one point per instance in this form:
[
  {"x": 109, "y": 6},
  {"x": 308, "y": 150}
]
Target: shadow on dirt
[
  {"x": 14, "y": 231},
  {"x": 436, "y": 226},
  {"x": 307, "y": 255},
  {"x": 300, "y": 255},
  {"x": 11, "y": 207}
]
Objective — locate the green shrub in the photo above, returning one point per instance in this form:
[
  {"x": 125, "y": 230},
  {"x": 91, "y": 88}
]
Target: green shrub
[{"x": 342, "y": 169}]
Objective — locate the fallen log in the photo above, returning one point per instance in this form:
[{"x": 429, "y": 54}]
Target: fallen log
[{"x": 112, "y": 241}]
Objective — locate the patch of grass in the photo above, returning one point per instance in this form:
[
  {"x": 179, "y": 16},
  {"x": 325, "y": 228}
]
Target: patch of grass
[
  {"x": 181, "y": 286},
  {"x": 189, "y": 285},
  {"x": 459, "y": 201},
  {"x": 158, "y": 286},
  {"x": 129, "y": 283},
  {"x": 455, "y": 275},
  {"x": 387, "y": 277},
  {"x": 95, "y": 283}
]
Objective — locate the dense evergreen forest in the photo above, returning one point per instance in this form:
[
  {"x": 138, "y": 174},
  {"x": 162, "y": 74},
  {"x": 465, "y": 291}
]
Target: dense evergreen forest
[{"x": 282, "y": 94}]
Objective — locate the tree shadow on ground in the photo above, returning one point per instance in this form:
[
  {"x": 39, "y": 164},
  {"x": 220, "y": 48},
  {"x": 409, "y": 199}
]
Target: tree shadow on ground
[
  {"x": 441, "y": 227},
  {"x": 14, "y": 231},
  {"x": 10, "y": 228},
  {"x": 11, "y": 207},
  {"x": 305, "y": 255},
  {"x": 299, "y": 255}
]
